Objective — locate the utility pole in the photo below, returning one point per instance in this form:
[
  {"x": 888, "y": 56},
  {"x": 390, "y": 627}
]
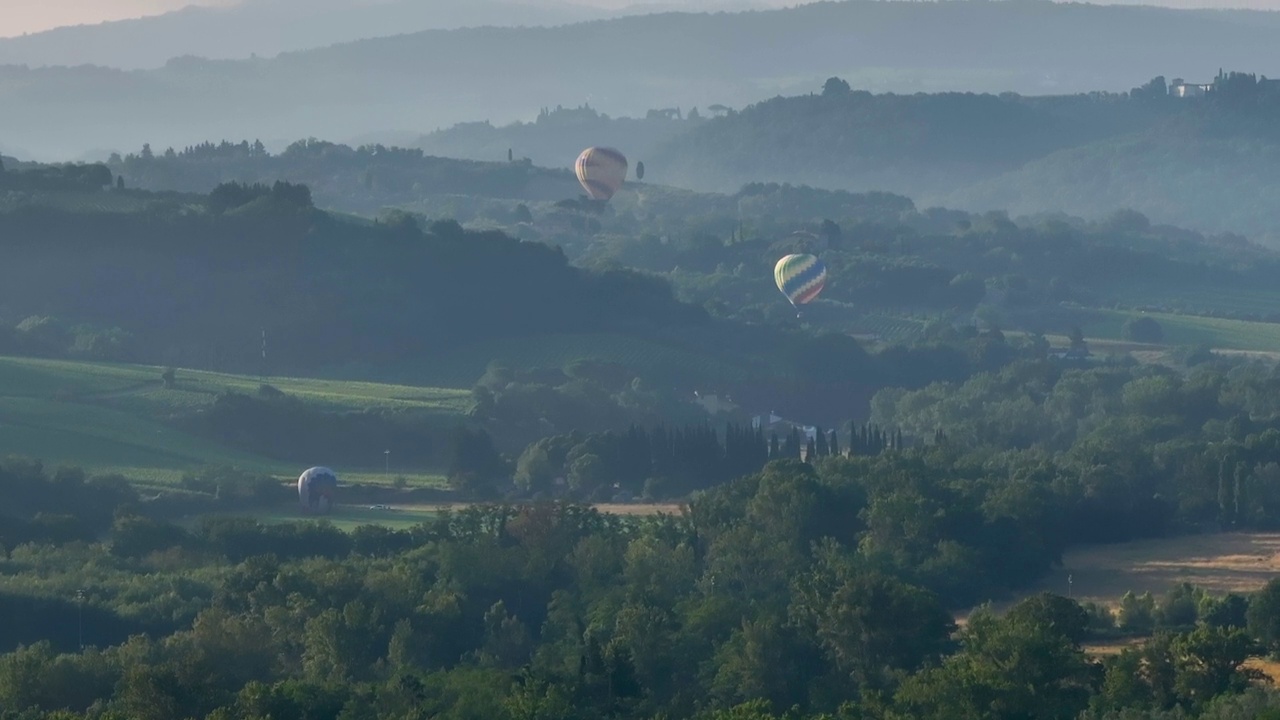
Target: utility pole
[
  {"x": 1069, "y": 593},
  {"x": 263, "y": 374},
  {"x": 386, "y": 454}
]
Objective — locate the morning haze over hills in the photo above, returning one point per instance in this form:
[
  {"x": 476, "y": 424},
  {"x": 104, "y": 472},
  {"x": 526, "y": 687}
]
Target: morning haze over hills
[
  {"x": 847, "y": 361},
  {"x": 232, "y": 29},
  {"x": 421, "y": 81}
]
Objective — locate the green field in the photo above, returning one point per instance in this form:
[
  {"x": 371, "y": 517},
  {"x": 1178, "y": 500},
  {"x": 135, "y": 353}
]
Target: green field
[
  {"x": 344, "y": 517},
  {"x": 888, "y": 328},
  {"x": 82, "y": 201},
  {"x": 1193, "y": 298},
  {"x": 458, "y": 366},
  {"x": 1218, "y": 333},
  {"x": 108, "y": 417}
]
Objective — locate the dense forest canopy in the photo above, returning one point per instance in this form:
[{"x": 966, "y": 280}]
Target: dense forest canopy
[
  {"x": 798, "y": 591},
  {"x": 362, "y": 179}
]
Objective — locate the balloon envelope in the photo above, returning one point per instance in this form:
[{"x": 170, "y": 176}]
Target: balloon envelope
[
  {"x": 800, "y": 277},
  {"x": 601, "y": 171},
  {"x": 316, "y": 487}
]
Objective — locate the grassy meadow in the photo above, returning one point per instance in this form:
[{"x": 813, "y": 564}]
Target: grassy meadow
[
  {"x": 398, "y": 516},
  {"x": 113, "y": 418},
  {"x": 457, "y": 366},
  {"x": 1219, "y": 333}
]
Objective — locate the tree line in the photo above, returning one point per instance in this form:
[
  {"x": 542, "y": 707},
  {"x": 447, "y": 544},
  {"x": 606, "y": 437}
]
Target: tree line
[{"x": 802, "y": 591}]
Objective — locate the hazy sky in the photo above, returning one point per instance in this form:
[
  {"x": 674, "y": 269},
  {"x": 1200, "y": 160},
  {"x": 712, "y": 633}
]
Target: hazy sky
[
  {"x": 20, "y": 16},
  {"x": 23, "y": 16}
]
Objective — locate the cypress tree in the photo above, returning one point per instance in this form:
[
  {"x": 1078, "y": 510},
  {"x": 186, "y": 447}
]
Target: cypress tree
[
  {"x": 833, "y": 443},
  {"x": 811, "y": 451},
  {"x": 1241, "y": 501},
  {"x": 822, "y": 446},
  {"x": 1225, "y": 487}
]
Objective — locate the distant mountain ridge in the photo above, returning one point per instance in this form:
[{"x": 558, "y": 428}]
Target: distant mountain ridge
[
  {"x": 418, "y": 82},
  {"x": 1210, "y": 163},
  {"x": 267, "y": 28}
]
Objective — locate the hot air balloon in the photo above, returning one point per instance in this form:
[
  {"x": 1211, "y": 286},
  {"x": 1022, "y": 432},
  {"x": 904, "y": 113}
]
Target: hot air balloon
[
  {"x": 601, "y": 172},
  {"x": 315, "y": 489},
  {"x": 800, "y": 277}
]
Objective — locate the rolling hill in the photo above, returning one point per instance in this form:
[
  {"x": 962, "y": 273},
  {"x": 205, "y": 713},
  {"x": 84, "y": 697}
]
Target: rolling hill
[
  {"x": 117, "y": 418},
  {"x": 1203, "y": 163},
  {"x": 1216, "y": 184},
  {"x": 267, "y": 28}
]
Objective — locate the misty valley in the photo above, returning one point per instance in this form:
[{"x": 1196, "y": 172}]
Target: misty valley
[{"x": 710, "y": 361}]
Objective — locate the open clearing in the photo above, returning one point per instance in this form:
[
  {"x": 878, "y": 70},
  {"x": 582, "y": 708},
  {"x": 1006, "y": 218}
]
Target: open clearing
[
  {"x": 1219, "y": 563},
  {"x": 650, "y": 357},
  {"x": 113, "y": 418},
  {"x": 1192, "y": 330},
  {"x": 632, "y": 509},
  {"x": 1268, "y": 667},
  {"x": 399, "y": 516}
]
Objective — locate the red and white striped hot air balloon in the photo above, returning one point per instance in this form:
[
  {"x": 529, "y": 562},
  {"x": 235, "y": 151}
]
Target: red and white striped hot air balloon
[{"x": 601, "y": 171}]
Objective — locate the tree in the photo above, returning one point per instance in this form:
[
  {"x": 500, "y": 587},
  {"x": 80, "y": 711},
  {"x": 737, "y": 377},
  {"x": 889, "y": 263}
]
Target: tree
[
  {"x": 1155, "y": 89},
  {"x": 1230, "y": 611},
  {"x": 1076, "y": 337},
  {"x": 474, "y": 466},
  {"x": 136, "y": 537},
  {"x": 1054, "y": 612},
  {"x": 506, "y": 640},
  {"x": 1264, "y": 615},
  {"x": 42, "y": 335},
  {"x": 1012, "y": 667},
  {"x": 534, "y": 470},
  {"x": 762, "y": 660},
  {"x": 1137, "y": 613},
  {"x": 1144, "y": 330},
  {"x": 586, "y": 473},
  {"x": 835, "y": 87},
  {"x": 868, "y": 624},
  {"x": 832, "y": 232}
]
